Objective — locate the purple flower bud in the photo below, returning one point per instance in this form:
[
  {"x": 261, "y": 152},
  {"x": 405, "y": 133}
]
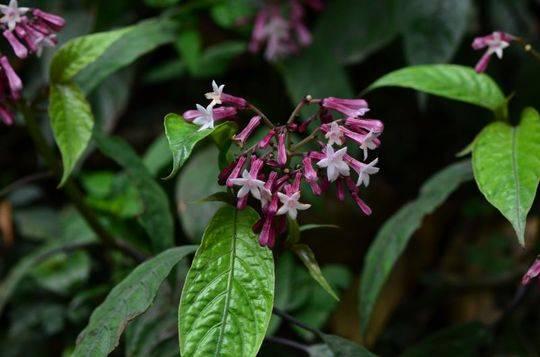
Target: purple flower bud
[
  {"x": 16, "y": 45},
  {"x": 238, "y": 102},
  {"x": 350, "y": 107},
  {"x": 353, "y": 190},
  {"x": 282, "y": 151},
  {"x": 266, "y": 140},
  {"x": 533, "y": 272},
  {"x": 6, "y": 115},
  {"x": 236, "y": 171},
  {"x": 267, "y": 237},
  {"x": 53, "y": 21},
  {"x": 248, "y": 130},
  {"x": 13, "y": 80},
  {"x": 365, "y": 125}
]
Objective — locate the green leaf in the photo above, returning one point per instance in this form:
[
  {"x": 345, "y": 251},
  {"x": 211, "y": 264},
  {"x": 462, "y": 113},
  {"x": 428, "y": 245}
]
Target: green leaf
[
  {"x": 156, "y": 217},
  {"x": 461, "y": 340},
  {"x": 190, "y": 47},
  {"x": 396, "y": 232},
  {"x": 307, "y": 257},
  {"x": 227, "y": 299},
  {"x": 197, "y": 181},
  {"x": 161, "y": 3},
  {"x": 434, "y": 29},
  {"x": 62, "y": 272},
  {"x": 449, "y": 81},
  {"x": 183, "y": 137},
  {"x": 72, "y": 123},
  {"x": 80, "y": 52},
  {"x": 309, "y": 227},
  {"x": 349, "y": 31},
  {"x": 126, "y": 301},
  {"x": 344, "y": 348},
  {"x": 506, "y": 162},
  {"x": 157, "y": 156},
  {"x": 227, "y": 13}
]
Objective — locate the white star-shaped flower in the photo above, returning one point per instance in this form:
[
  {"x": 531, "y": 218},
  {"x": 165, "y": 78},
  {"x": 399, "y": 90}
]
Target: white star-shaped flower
[
  {"x": 334, "y": 134},
  {"x": 368, "y": 169},
  {"x": 334, "y": 163},
  {"x": 291, "y": 206},
  {"x": 249, "y": 184},
  {"x": 206, "y": 118},
  {"x": 497, "y": 45},
  {"x": 215, "y": 95},
  {"x": 12, "y": 14},
  {"x": 369, "y": 143}
]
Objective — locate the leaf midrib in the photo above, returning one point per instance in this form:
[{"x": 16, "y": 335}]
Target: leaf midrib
[
  {"x": 228, "y": 289},
  {"x": 517, "y": 200}
]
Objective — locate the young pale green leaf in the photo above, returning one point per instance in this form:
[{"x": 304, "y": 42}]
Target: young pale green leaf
[
  {"x": 136, "y": 41},
  {"x": 449, "y": 81},
  {"x": 506, "y": 162},
  {"x": 72, "y": 123},
  {"x": 342, "y": 347},
  {"x": 307, "y": 257},
  {"x": 156, "y": 217},
  {"x": 126, "y": 301},
  {"x": 393, "y": 237},
  {"x": 183, "y": 137},
  {"x": 80, "y": 52},
  {"x": 227, "y": 299},
  {"x": 433, "y": 29}
]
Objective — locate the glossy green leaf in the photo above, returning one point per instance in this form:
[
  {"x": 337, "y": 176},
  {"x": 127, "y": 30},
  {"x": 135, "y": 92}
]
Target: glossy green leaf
[
  {"x": 396, "y": 232},
  {"x": 72, "y": 123},
  {"x": 506, "y": 162},
  {"x": 307, "y": 257},
  {"x": 449, "y": 81},
  {"x": 183, "y": 137},
  {"x": 227, "y": 299},
  {"x": 156, "y": 217},
  {"x": 350, "y": 32},
  {"x": 126, "y": 301},
  {"x": 342, "y": 347},
  {"x": 80, "y": 52},
  {"x": 157, "y": 156},
  {"x": 197, "y": 181},
  {"x": 433, "y": 29},
  {"x": 460, "y": 340}
]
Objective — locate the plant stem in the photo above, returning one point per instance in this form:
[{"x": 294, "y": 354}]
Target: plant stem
[
  {"x": 294, "y": 321},
  {"x": 24, "y": 181},
  {"x": 306, "y": 140},
  {"x": 299, "y": 106},
  {"x": 257, "y": 111},
  {"x": 528, "y": 48},
  {"x": 71, "y": 189},
  {"x": 289, "y": 343}
]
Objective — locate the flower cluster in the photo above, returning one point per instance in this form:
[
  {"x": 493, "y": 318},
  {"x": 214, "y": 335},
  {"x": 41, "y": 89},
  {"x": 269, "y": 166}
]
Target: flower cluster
[
  {"x": 271, "y": 171},
  {"x": 27, "y": 31},
  {"x": 281, "y": 27},
  {"x": 495, "y": 44}
]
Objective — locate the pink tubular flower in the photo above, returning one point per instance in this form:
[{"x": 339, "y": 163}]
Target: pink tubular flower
[
  {"x": 367, "y": 141},
  {"x": 311, "y": 175},
  {"x": 248, "y": 130},
  {"x": 205, "y": 117},
  {"x": 366, "y": 125},
  {"x": 36, "y": 28},
  {"x": 267, "y": 138},
  {"x": 10, "y": 77},
  {"x": 533, "y": 272},
  {"x": 350, "y": 107},
  {"x": 363, "y": 170},
  {"x": 218, "y": 97},
  {"x": 334, "y": 164},
  {"x": 353, "y": 190},
  {"x": 6, "y": 115},
  {"x": 282, "y": 151},
  {"x": 495, "y": 43},
  {"x": 231, "y": 172}
]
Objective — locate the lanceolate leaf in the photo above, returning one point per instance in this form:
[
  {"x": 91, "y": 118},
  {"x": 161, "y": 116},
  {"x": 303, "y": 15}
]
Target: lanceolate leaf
[
  {"x": 156, "y": 217},
  {"x": 307, "y": 257},
  {"x": 227, "y": 299},
  {"x": 126, "y": 301},
  {"x": 72, "y": 123},
  {"x": 344, "y": 348},
  {"x": 183, "y": 137},
  {"x": 393, "y": 237},
  {"x": 449, "y": 81},
  {"x": 506, "y": 162},
  {"x": 134, "y": 43}
]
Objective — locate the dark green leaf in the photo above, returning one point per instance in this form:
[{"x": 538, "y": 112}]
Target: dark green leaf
[
  {"x": 161, "y": 3},
  {"x": 72, "y": 123},
  {"x": 307, "y": 257},
  {"x": 227, "y": 299},
  {"x": 229, "y": 12},
  {"x": 157, "y": 156},
  {"x": 190, "y": 48},
  {"x": 344, "y": 348},
  {"x": 434, "y": 29},
  {"x": 183, "y": 137},
  {"x": 156, "y": 217},
  {"x": 449, "y": 81},
  {"x": 126, "y": 301},
  {"x": 462, "y": 340},
  {"x": 393, "y": 237},
  {"x": 62, "y": 272},
  {"x": 506, "y": 162}
]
